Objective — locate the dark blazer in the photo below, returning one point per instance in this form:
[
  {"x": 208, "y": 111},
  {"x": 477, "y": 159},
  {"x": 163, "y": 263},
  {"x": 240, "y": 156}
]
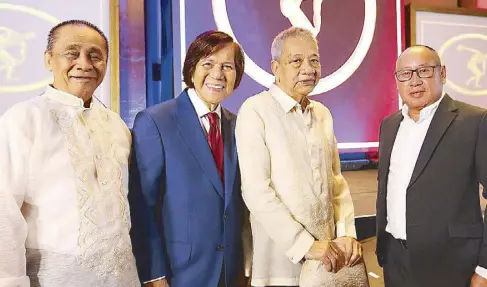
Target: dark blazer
[
  {"x": 446, "y": 235},
  {"x": 185, "y": 223}
]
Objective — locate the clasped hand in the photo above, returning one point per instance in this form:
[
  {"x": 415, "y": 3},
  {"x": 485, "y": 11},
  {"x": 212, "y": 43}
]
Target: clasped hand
[{"x": 343, "y": 251}]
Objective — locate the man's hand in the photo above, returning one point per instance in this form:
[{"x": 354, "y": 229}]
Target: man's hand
[
  {"x": 325, "y": 252},
  {"x": 158, "y": 283},
  {"x": 478, "y": 281},
  {"x": 351, "y": 248}
]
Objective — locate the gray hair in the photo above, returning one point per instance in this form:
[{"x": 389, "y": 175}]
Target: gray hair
[{"x": 293, "y": 32}]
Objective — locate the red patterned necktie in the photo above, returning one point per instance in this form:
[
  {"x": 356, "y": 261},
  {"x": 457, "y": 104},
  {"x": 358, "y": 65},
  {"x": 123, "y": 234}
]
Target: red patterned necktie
[{"x": 216, "y": 143}]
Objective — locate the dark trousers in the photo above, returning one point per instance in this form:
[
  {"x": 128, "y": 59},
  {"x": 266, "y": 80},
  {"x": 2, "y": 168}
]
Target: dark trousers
[{"x": 397, "y": 269}]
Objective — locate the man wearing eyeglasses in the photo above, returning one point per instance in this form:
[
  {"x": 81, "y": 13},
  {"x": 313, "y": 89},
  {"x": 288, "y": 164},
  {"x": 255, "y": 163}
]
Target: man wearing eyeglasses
[{"x": 432, "y": 157}]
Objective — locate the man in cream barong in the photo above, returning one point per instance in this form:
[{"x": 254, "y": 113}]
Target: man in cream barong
[
  {"x": 64, "y": 218},
  {"x": 301, "y": 210}
]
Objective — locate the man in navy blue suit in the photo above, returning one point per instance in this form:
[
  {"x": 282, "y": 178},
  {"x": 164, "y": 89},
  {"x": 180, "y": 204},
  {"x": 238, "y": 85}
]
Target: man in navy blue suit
[{"x": 186, "y": 204}]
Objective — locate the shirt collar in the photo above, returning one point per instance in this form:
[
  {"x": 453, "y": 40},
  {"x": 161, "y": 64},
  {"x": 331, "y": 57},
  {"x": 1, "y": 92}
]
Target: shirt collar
[
  {"x": 287, "y": 102},
  {"x": 65, "y": 98},
  {"x": 200, "y": 107},
  {"x": 426, "y": 113}
]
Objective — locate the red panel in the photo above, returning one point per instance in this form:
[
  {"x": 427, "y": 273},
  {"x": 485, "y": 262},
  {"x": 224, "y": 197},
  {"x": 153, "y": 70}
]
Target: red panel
[{"x": 482, "y": 4}]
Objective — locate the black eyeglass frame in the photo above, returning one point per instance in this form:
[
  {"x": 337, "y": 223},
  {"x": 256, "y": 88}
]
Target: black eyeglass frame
[{"x": 417, "y": 73}]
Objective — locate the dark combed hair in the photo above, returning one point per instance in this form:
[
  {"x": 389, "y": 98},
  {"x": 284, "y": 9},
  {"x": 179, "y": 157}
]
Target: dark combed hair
[
  {"x": 206, "y": 44},
  {"x": 52, "y": 37}
]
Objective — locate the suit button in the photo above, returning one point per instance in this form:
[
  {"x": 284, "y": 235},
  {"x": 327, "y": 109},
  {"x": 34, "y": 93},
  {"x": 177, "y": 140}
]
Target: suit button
[
  {"x": 225, "y": 216},
  {"x": 219, "y": 248}
]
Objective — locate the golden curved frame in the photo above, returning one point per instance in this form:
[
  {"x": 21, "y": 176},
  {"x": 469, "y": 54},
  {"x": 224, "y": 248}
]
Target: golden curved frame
[{"x": 115, "y": 56}]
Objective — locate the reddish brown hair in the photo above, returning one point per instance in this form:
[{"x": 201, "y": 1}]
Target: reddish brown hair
[{"x": 206, "y": 44}]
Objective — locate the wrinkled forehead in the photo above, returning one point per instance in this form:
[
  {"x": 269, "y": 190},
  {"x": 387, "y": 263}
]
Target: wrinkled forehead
[
  {"x": 79, "y": 37},
  {"x": 417, "y": 57},
  {"x": 300, "y": 45}
]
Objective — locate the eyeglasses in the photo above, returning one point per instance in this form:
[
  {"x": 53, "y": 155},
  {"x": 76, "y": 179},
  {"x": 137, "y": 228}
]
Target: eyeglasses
[{"x": 422, "y": 72}]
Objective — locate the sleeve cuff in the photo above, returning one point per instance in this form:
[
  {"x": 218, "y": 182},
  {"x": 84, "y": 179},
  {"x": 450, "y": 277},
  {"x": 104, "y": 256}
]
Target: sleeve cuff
[
  {"x": 154, "y": 280},
  {"x": 301, "y": 246},
  {"x": 346, "y": 230},
  {"x": 481, "y": 271}
]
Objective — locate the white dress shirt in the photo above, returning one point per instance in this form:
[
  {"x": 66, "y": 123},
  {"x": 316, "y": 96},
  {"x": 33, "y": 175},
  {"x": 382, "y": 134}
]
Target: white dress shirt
[
  {"x": 405, "y": 152},
  {"x": 64, "y": 215},
  {"x": 291, "y": 183},
  {"x": 202, "y": 111}
]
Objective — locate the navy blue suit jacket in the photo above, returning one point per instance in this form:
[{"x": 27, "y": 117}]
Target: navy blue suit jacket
[{"x": 186, "y": 223}]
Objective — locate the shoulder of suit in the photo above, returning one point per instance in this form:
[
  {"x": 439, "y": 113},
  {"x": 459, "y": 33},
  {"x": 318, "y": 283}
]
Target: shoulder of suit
[
  {"x": 229, "y": 114},
  {"x": 164, "y": 108},
  {"x": 469, "y": 109},
  {"x": 392, "y": 116},
  {"x": 159, "y": 114}
]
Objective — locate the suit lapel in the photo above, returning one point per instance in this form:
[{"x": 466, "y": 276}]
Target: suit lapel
[
  {"x": 442, "y": 119},
  {"x": 389, "y": 134},
  {"x": 193, "y": 133},
  {"x": 230, "y": 154}
]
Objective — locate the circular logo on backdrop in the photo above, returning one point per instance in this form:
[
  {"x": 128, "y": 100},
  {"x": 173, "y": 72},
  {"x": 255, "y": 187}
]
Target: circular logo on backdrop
[
  {"x": 291, "y": 9},
  {"x": 15, "y": 42},
  {"x": 470, "y": 62}
]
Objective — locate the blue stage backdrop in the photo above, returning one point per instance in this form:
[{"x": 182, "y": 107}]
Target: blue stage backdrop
[{"x": 132, "y": 59}]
